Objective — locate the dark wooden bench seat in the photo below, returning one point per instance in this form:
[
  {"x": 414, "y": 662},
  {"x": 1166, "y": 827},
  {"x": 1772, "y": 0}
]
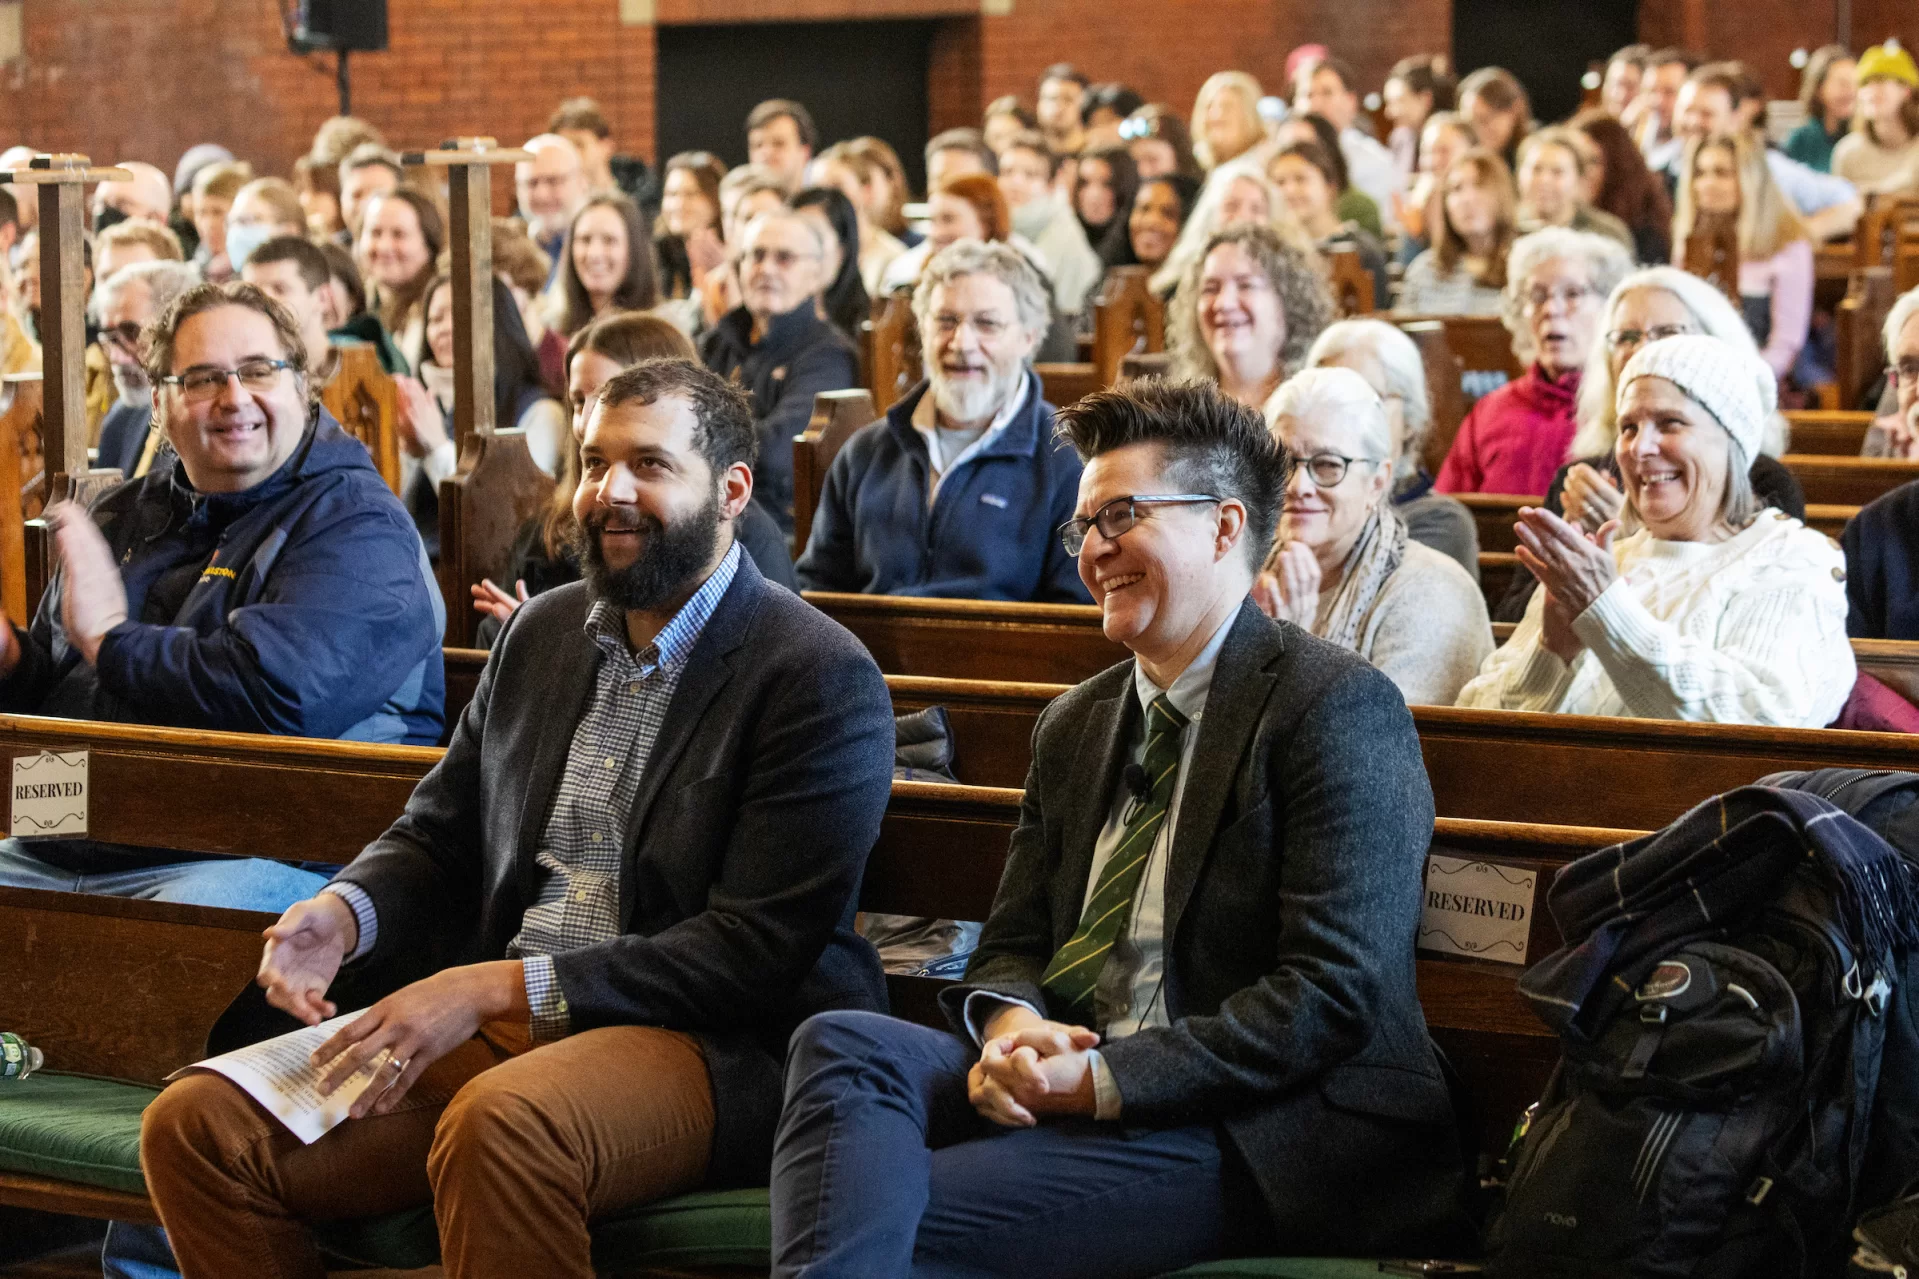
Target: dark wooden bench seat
[{"x": 76, "y": 959}]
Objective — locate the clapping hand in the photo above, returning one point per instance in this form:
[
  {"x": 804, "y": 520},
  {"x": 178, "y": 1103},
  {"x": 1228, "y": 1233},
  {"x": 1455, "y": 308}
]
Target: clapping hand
[
  {"x": 1574, "y": 567},
  {"x": 1591, "y": 498},
  {"x": 1289, "y": 591},
  {"x": 421, "y": 425},
  {"x": 93, "y": 599},
  {"x": 493, "y": 602}
]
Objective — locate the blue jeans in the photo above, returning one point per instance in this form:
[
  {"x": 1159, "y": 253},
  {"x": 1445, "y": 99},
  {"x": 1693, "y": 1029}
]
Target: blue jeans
[
  {"x": 135, "y": 1251},
  {"x": 238, "y": 883},
  {"x": 882, "y": 1167}
]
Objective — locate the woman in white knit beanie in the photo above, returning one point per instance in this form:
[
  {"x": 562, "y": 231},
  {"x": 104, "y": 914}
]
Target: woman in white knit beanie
[{"x": 1708, "y": 608}]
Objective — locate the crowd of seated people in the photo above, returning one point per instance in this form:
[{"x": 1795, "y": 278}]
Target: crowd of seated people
[{"x": 1275, "y": 507}]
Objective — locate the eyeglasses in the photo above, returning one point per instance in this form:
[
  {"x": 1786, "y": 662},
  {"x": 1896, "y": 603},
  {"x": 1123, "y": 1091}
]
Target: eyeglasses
[
  {"x": 1119, "y": 515},
  {"x": 778, "y": 257},
  {"x": 126, "y": 334},
  {"x": 987, "y": 326},
  {"x": 1328, "y": 470},
  {"x": 1906, "y": 371},
  {"x": 1619, "y": 339},
  {"x": 204, "y": 382},
  {"x": 1538, "y": 299}
]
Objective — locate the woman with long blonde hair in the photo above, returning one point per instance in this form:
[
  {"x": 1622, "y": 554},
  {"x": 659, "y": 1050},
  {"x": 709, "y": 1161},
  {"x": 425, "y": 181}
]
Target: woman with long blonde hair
[
  {"x": 1726, "y": 178},
  {"x": 1226, "y": 123}
]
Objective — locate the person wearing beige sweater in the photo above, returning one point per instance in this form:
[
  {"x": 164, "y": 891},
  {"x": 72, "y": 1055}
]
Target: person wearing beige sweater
[
  {"x": 1343, "y": 566},
  {"x": 1713, "y": 610}
]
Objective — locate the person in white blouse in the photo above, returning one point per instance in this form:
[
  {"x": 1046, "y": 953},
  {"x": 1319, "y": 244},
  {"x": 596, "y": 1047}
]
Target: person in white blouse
[{"x": 1712, "y": 609}]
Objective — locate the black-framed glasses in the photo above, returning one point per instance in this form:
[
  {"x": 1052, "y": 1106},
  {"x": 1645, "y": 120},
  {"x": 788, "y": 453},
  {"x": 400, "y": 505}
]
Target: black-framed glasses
[
  {"x": 1328, "y": 470},
  {"x": 205, "y": 381},
  {"x": 1119, "y": 515},
  {"x": 1905, "y": 372},
  {"x": 1620, "y": 338}
]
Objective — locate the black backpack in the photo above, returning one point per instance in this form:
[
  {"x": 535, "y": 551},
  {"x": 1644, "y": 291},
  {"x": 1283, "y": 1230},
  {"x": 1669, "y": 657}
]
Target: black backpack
[{"x": 1717, "y": 1125}]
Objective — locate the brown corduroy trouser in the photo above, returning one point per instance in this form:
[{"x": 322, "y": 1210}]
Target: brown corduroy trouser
[{"x": 517, "y": 1151}]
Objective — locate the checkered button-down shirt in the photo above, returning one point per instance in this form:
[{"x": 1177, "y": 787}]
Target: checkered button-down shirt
[
  {"x": 582, "y": 848},
  {"x": 581, "y": 853}
]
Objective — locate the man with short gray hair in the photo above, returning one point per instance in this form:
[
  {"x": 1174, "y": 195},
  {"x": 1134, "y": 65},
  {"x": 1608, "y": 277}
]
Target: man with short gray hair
[
  {"x": 551, "y": 188},
  {"x": 125, "y": 304},
  {"x": 956, "y": 491},
  {"x": 777, "y": 346}
]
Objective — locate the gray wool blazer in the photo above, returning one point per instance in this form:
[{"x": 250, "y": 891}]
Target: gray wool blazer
[
  {"x": 1292, "y": 898},
  {"x": 744, "y": 852}
]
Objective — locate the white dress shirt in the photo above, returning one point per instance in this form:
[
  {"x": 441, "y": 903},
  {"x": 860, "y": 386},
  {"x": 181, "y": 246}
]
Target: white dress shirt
[{"x": 1130, "y": 995}]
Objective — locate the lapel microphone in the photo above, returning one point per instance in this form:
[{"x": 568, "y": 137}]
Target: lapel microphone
[{"x": 1136, "y": 782}]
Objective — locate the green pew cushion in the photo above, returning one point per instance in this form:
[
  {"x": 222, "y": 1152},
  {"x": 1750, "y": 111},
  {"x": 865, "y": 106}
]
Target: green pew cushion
[
  {"x": 707, "y": 1228},
  {"x": 74, "y": 1128}
]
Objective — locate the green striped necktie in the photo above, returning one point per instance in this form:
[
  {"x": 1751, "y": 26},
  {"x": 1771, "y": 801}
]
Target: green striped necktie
[{"x": 1075, "y": 969}]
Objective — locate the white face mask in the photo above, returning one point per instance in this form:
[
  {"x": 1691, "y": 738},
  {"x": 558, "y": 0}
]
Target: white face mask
[{"x": 243, "y": 239}]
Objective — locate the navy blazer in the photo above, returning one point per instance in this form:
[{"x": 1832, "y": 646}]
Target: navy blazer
[
  {"x": 990, "y": 534},
  {"x": 797, "y": 357},
  {"x": 1293, "y": 895},
  {"x": 744, "y": 850}
]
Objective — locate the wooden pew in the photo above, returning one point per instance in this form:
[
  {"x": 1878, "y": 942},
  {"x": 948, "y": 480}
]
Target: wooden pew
[
  {"x": 836, "y": 415},
  {"x": 19, "y": 428},
  {"x": 992, "y": 721},
  {"x": 1712, "y": 254},
  {"x": 1352, "y": 285},
  {"x": 1496, "y": 514},
  {"x": 890, "y": 348},
  {"x": 1857, "y": 324},
  {"x": 1835, "y": 433},
  {"x": 941, "y": 850},
  {"x": 366, "y": 400},
  {"x": 1848, "y": 481},
  {"x": 1496, "y": 571},
  {"x": 496, "y": 487},
  {"x": 975, "y": 639}
]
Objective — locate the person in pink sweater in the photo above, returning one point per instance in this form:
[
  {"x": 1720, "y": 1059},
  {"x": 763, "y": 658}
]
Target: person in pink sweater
[
  {"x": 1725, "y": 178},
  {"x": 1514, "y": 439}
]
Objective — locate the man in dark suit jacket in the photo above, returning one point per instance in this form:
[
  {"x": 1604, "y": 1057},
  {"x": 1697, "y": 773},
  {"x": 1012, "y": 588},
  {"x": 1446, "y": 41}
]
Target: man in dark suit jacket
[
  {"x": 1191, "y": 1027},
  {"x": 629, "y": 879}
]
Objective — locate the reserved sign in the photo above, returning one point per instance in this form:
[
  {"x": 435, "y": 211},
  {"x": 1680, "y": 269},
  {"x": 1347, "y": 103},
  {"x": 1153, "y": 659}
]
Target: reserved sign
[
  {"x": 1477, "y": 909},
  {"x": 50, "y": 795}
]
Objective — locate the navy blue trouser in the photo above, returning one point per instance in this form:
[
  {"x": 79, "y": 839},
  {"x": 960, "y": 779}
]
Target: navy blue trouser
[{"x": 881, "y": 1167}]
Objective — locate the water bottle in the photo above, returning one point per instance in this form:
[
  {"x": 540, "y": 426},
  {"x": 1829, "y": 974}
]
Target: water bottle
[{"x": 18, "y": 1058}]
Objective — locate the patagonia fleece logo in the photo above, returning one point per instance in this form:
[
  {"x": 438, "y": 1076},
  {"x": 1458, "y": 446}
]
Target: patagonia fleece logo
[{"x": 994, "y": 500}]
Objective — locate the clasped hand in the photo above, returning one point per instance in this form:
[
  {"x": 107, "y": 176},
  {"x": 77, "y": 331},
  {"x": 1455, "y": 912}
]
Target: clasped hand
[{"x": 1035, "y": 1068}]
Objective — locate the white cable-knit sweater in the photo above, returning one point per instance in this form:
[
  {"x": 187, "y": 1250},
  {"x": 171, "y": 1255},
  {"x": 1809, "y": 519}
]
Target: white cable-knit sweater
[{"x": 1747, "y": 631}]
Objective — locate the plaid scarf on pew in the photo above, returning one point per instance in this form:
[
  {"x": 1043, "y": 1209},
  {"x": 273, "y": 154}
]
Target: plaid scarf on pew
[{"x": 1624, "y": 908}]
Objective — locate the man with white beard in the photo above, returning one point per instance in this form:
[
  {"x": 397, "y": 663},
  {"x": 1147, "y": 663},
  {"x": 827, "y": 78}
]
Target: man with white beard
[
  {"x": 126, "y": 302},
  {"x": 958, "y": 490}
]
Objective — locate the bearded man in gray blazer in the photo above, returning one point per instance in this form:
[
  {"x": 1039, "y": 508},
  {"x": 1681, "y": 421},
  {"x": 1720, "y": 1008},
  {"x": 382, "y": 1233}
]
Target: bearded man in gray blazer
[
  {"x": 589, "y": 937},
  {"x": 1192, "y": 1026}
]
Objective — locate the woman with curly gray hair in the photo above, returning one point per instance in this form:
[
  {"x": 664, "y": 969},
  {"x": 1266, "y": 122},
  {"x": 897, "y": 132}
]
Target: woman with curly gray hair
[
  {"x": 1246, "y": 313},
  {"x": 1514, "y": 439}
]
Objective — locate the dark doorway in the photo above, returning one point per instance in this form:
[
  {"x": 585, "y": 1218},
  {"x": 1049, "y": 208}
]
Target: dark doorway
[
  {"x": 1546, "y": 43},
  {"x": 855, "y": 77}
]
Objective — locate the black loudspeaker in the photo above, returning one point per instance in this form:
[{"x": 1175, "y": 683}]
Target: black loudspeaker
[{"x": 358, "y": 26}]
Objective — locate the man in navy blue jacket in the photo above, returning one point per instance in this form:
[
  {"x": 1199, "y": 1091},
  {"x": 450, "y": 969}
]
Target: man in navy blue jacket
[
  {"x": 1882, "y": 541},
  {"x": 777, "y": 347},
  {"x": 958, "y": 490},
  {"x": 265, "y": 580}
]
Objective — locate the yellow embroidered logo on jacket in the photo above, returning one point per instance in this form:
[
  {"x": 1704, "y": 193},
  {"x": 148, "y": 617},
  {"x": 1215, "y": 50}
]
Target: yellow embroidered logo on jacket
[{"x": 214, "y": 571}]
